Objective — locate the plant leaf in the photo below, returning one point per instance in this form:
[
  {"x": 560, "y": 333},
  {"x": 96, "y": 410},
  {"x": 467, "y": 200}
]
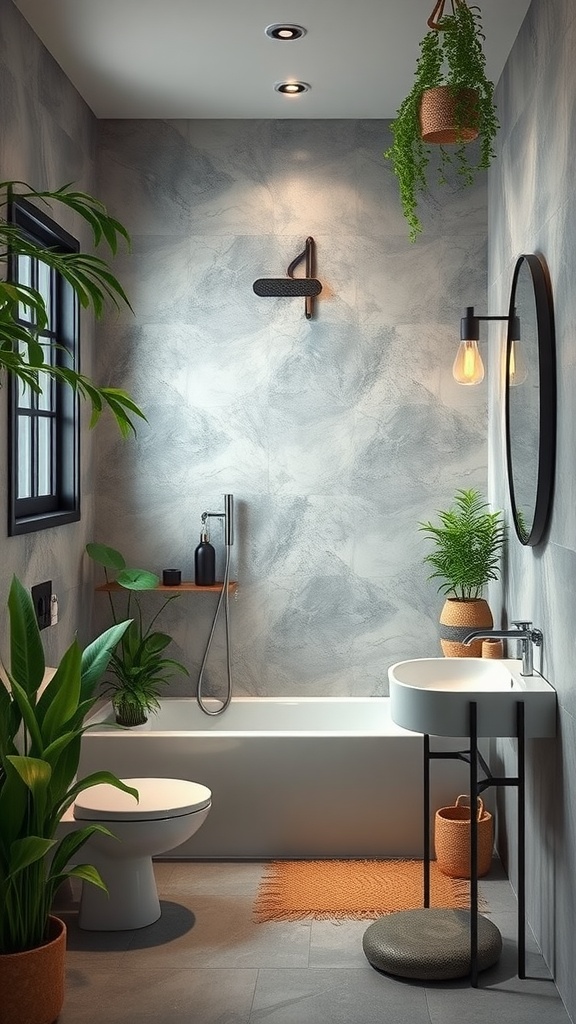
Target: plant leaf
[{"x": 137, "y": 579}]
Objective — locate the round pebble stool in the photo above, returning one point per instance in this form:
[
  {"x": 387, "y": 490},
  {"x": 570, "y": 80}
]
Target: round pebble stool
[{"x": 430, "y": 944}]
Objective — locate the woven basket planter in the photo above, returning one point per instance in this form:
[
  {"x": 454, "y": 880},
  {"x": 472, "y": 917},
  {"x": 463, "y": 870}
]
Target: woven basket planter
[
  {"x": 457, "y": 619},
  {"x": 439, "y": 111},
  {"x": 452, "y": 839},
  {"x": 32, "y": 982},
  {"x": 129, "y": 716}
]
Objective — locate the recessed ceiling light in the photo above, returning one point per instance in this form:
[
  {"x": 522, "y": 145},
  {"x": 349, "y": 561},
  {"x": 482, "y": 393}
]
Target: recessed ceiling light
[
  {"x": 291, "y": 88},
  {"x": 285, "y": 32}
]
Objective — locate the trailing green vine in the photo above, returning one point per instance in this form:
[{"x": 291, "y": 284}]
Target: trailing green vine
[{"x": 451, "y": 55}]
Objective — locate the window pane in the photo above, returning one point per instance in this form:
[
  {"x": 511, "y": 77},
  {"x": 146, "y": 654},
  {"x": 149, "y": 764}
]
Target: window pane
[
  {"x": 46, "y": 398},
  {"x": 44, "y": 456},
  {"x": 45, "y": 289},
  {"x": 24, "y": 277},
  {"x": 24, "y": 464},
  {"x": 24, "y": 399}
]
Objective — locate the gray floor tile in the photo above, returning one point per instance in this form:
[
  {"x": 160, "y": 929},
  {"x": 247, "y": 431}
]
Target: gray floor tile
[
  {"x": 206, "y": 958},
  {"x": 536, "y": 966},
  {"x": 515, "y": 1002},
  {"x": 338, "y": 944},
  {"x": 210, "y": 877},
  {"x": 499, "y": 896},
  {"x": 163, "y": 871},
  {"x": 158, "y": 997},
  {"x": 217, "y": 931},
  {"x": 318, "y": 996},
  {"x": 93, "y": 949}
]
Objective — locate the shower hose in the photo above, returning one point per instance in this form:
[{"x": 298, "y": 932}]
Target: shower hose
[{"x": 223, "y": 600}]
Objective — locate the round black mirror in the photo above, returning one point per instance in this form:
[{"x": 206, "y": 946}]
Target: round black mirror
[{"x": 530, "y": 398}]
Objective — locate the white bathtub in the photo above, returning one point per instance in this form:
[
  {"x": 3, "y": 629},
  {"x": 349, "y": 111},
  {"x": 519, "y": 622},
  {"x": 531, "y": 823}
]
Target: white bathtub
[{"x": 297, "y": 778}]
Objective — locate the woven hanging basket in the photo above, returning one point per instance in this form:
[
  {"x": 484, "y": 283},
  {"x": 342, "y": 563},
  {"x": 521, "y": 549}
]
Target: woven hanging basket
[
  {"x": 457, "y": 619},
  {"x": 449, "y": 116},
  {"x": 452, "y": 839}
]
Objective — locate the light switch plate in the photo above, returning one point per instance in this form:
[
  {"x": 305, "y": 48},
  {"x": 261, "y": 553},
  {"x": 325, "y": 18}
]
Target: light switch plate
[{"x": 41, "y": 597}]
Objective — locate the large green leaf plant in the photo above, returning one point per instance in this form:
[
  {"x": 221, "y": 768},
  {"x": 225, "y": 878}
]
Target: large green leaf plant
[
  {"x": 21, "y": 354},
  {"x": 40, "y": 735}
]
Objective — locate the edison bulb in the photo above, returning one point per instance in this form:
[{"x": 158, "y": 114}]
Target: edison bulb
[
  {"x": 468, "y": 366},
  {"x": 517, "y": 369}
]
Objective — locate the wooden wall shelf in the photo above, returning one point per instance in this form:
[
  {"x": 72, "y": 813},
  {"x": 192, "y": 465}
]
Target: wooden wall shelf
[{"x": 186, "y": 586}]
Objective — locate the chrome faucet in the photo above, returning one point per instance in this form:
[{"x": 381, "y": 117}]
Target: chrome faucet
[
  {"x": 527, "y": 637},
  {"x": 227, "y": 516}
]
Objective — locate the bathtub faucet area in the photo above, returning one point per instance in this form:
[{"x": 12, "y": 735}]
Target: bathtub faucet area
[
  {"x": 527, "y": 637},
  {"x": 227, "y": 516}
]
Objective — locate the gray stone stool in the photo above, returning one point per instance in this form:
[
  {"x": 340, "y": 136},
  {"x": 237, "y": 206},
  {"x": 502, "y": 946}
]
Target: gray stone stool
[{"x": 429, "y": 944}]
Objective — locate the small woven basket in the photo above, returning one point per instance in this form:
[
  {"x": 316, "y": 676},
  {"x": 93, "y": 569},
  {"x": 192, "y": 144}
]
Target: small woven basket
[
  {"x": 439, "y": 115},
  {"x": 452, "y": 839}
]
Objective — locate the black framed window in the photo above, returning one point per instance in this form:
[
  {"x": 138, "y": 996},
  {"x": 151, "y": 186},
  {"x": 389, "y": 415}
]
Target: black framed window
[{"x": 44, "y": 427}]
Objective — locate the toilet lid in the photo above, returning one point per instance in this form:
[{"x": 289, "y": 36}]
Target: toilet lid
[{"x": 159, "y": 798}]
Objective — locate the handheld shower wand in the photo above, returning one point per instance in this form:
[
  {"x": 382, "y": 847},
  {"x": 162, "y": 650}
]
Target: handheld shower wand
[{"x": 223, "y": 599}]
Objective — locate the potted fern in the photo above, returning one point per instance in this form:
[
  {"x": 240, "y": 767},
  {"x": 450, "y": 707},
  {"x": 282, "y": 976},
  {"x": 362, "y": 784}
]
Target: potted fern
[
  {"x": 450, "y": 104},
  {"x": 40, "y": 732},
  {"x": 138, "y": 667},
  {"x": 467, "y": 545}
]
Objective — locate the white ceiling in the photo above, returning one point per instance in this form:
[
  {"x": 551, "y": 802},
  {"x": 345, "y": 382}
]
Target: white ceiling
[{"x": 211, "y": 58}]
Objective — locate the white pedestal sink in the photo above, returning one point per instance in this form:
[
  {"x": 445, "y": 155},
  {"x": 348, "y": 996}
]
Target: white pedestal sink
[{"x": 433, "y": 695}]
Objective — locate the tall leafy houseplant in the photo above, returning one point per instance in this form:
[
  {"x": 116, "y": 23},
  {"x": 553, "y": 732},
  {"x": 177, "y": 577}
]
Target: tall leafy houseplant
[
  {"x": 467, "y": 543},
  {"x": 451, "y": 55},
  {"x": 21, "y": 354},
  {"x": 40, "y": 734},
  {"x": 139, "y": 666}
]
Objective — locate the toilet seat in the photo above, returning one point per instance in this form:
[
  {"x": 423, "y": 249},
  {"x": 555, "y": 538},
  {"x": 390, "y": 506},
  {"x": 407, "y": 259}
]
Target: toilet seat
[{"x": 159, "y": 799}]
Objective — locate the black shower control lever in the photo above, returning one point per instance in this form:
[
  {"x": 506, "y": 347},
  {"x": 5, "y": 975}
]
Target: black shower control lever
[{"x": 289, "y": 287}]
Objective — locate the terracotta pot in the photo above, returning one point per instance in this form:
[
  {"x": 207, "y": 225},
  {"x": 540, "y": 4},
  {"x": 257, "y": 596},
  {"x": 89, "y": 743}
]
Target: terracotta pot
[
  {"x": 459, "y": 618},
  {"x": 32, "y": 983},
  {"x": 438, "y": 110}
]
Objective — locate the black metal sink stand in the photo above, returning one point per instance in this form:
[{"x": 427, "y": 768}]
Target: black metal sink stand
[{"x": 474, "y": 759}]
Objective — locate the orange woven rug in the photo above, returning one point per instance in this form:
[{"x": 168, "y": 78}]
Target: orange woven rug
[{"x": 357, "y": 889}]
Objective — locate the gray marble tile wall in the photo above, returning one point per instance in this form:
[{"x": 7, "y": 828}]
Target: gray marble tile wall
[
  {"x": 532, "y": 207},
  {"x": 48, "y": 139},
  {"x": 336, "y": 435}
]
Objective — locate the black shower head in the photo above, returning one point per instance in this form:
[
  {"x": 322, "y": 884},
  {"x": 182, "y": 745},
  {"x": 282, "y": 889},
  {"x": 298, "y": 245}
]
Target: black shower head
[{"x": 287, "y": 287}]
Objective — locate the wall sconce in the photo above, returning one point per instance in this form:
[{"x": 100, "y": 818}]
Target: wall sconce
[{"x": 468, "y": 367}]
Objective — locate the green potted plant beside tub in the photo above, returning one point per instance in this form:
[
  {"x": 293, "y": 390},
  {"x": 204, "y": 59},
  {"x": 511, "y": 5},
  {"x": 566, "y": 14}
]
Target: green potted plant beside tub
[
  {"x": 451, "y": 103},
  {"x": 40, "y": 733},
  {"x": 468, "y": 542},
  {"x": 138, "y": 667}
]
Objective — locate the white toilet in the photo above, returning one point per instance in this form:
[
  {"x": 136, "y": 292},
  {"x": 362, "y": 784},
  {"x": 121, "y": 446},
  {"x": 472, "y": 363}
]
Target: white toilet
[{"x": 168, "y": 813}]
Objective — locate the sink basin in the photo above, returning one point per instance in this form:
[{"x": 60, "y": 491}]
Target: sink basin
[{"x": 432, "y": 696}]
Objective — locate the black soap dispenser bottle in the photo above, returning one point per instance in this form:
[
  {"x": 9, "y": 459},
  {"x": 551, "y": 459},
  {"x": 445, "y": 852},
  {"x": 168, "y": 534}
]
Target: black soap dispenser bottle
[{"x": 204, "y": 562}]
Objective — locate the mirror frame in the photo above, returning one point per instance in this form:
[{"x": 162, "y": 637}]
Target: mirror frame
[{"x": 547, "y": 398}]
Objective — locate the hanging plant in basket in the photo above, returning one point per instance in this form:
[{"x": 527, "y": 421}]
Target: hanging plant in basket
[{"x": 451, "y": 103}]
